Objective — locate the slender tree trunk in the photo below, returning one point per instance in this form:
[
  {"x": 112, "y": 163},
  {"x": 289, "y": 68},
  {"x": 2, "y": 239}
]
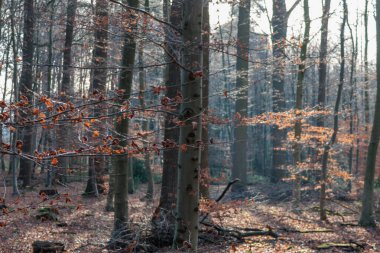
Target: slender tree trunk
[
  {"x": 26, "y": 86},
  {"x": 239, "y": 150},
  {"x": 279, "y": 34},
  {"x": 327, "y": 147},
  {"x": 145, "y": 124},
  {"x": 323, "y": 59},
  {"x": 95, "y": 183},
  {"x": 205, "y": 170},
  {"x": 120, "y": 163},
  {"x": 299, "y": 105},
  {"x": 190, "y": 139},
  {"x": 354, "y": 55},
  {"x": 367, "y": 215},
  {"x": 67, "y": 86},
  {"x": 171, "y": 132},
  {"x": 366, "y": 69}
]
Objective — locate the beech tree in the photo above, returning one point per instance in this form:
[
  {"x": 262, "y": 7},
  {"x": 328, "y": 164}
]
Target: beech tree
[
  {"x": 323, "y": 58},
  {"x": 120, "y": 163},
  {"x": 239, "y": 154},
  {"x": 279, "y": 36},
  {"x": 299, "y": 104},
  {"x": 367, "y": 215},
  {"x": 190, "y": 137},
  {"x": 26, "y": 83},
  {"x": 327, "y": 147}
]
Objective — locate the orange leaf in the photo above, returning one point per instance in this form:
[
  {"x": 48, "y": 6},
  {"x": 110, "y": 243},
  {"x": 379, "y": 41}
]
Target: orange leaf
[
  {"x": 54, "y": 162},
  {"x": 95, "y": 134},
  {"x": 184, "y": 148}
]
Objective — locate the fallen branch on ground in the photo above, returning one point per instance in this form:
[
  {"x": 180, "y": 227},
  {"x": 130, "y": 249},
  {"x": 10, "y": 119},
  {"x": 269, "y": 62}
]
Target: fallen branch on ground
[
  {"x": 240, "y": 235},
  {"x": 350, "y": 245},
  {"x": 307, "y": 231}
]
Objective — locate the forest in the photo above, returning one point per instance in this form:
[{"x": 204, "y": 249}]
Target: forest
[{"x": 189, "y": 126}]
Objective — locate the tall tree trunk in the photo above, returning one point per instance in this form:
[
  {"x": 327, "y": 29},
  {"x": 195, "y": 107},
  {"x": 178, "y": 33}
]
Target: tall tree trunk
[
  {"x": 95, "y": 183},
  {"x": 26, "y": 86},
  {"x": 299, "y": 104},
  {"x": 366, "y": 69},
  {"x": 239, "y": 150},
  {"x": 67, "y": 86},
  {"x": 323, "y": 59},
  {"x": 189, "y": 158},
  {"x": 120, "y": 163},
  {"x": 327, "y": 147},
  {"x": 15, "y": 94},
  {"x": 354, "y": 55},
  {"x": 163, "y": 218},
  {"x": 145, "y": 124},
  {"x": 367, "y": 215},
  {"x": 205, "y": 170},
  {"x": 279, "y": 34}
]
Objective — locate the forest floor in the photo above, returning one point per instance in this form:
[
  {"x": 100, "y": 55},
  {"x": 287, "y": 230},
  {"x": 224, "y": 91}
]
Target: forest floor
[{"x": 84, "y": 226}]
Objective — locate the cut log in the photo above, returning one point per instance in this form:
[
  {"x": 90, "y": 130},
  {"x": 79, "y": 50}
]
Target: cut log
[{"x": 47, "y": 247}]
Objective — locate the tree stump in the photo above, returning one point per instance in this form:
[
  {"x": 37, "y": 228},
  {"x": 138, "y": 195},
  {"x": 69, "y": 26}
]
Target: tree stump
[{"x": 47, "y": 247}]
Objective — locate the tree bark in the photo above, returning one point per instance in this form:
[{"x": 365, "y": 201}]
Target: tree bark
[
  {"x": 239, "y": 154},
  {"x": 190, "y": 139},
  {"x": 367, "y": 215},
  {"x": 171, "y": 132},
  {"x": 323, "y": 59},
  {"x": 327, "y": 147},
  {"x": 95, "y": 183},
  {"x": 120, "y": 163},
  {"x": 299, "y": 104},
  {"x": 279, "y": 34},
  {"x": 205, "y": 170},
  {"x": 145, "y": 124},
  {"x": 26, "y": 86}
]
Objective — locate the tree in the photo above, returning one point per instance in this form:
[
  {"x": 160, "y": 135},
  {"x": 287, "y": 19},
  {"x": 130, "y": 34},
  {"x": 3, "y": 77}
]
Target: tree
[
  {"x": 279, "y": 35},
  {"x": 145, "y": 124},
  {"x": 367, "y": 216},
  {"x": 95, "y": 184},
  {"x": 323, "y": 58},
  {"x": 26, "y": 83},
  {"x": 205, "y": 170},
  {"x": 239, "y": 154},
  {"x": 327, "y": 147},
  {"x": 67, "y": 85},
  {"x": 299, "y": 103},
  {"x": 120, "y": 163},
  {"x": 190, "y": 138},
  {"x": 172, "y": 80}
]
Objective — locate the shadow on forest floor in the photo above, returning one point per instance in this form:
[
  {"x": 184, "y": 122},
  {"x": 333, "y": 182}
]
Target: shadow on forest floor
[{"x": 84, "y": 226}]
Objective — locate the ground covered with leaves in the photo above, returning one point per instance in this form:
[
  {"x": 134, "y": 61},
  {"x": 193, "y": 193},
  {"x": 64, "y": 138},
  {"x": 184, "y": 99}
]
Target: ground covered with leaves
[{"x": 83, "y": 225}]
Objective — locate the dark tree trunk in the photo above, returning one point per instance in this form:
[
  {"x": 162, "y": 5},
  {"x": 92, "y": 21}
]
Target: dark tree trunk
[
  {"x": 95, "y": 183},
  {"x": 120, "y": 163},
  {"x": 171, "y": 133},
  {"x": 239, "y": 150},
  {"x": 279, "y": 34},
  {"x": 205, "y": 170},
  {"x": 328, "y": 146},
  {"x": 367, "y": 215},
  {"x": 26, "y": 86},
  {"x": 323, "y": 59},
  {"x": 299, "y": 105}
]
